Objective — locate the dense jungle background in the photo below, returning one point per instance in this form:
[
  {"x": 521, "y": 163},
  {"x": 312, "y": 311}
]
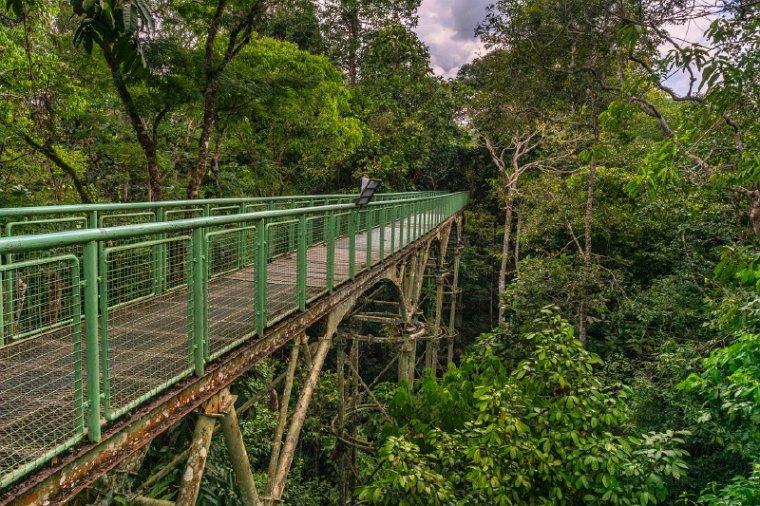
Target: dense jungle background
[{"x": 609, "y": 347}]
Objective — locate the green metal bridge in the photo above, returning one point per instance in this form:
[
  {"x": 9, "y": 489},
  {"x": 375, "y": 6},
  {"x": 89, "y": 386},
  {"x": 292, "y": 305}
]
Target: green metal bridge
[{"x": 118, "y": 319}]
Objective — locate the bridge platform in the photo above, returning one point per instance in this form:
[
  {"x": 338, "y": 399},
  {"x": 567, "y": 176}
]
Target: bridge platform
[{"x": 98, "y": 324}]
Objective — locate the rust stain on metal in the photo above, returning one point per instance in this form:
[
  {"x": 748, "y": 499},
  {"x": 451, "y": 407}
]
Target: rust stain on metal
[{"x": 78, "y": 469}]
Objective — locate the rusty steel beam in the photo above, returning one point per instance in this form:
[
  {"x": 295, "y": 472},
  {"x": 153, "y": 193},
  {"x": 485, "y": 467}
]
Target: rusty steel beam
[{"x": 75, "y": 471}]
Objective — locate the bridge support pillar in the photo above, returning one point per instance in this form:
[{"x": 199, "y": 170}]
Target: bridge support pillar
[
  {"x": 276, "y": 481},
  {"x": 239, "y": 456},
  {"x": 451, "y": 331},
  {"x": 221, "y": 407},
  {"x": 199, "y": 448}
]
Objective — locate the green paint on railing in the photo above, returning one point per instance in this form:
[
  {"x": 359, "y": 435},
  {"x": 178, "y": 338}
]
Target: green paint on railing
[{"x": 166, "y": 270}]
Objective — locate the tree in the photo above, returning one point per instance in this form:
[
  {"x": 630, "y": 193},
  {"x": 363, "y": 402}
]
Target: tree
[
  {"x": 517, "y": 139},
  {"x": 31, "y": 108},
  {"x": 348, "y": 25},
  {"x": 548, "y": 431},
  {"x": 288, "y": 111},
  {"x": 567, "y": 46},
  {"x": 409, "y": 111},
  {"x": 238, "y": 21}
]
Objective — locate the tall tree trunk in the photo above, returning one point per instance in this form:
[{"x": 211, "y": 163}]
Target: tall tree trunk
[
  {"x": 144, "y": 138},
  {"x": 215, "y": 157},
  {"x": 509, "y": 203},
  {"x": 209, "y": 104},
  {"x": 353, "y": 46},
  {"x": 586, "y": 280},
  {"x": 518, "y": 229},
  {"x": 207, "y": 124}
]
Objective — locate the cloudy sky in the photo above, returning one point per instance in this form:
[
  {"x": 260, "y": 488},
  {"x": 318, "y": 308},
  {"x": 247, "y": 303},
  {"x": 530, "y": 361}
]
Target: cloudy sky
[{"x": 448, "y": 28}]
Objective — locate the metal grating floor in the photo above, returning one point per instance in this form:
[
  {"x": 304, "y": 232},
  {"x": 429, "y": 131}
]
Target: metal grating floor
[{"x": 38, "y": 387}]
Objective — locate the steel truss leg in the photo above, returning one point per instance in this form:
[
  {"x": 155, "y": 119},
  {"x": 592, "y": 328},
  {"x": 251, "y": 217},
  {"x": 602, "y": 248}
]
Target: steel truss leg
[
  {"x": 277, "y": 485},
  {"x": 454, "y": 300},
  {"x": 221, "y": 407},
  {"x": 196, "y": 462}
]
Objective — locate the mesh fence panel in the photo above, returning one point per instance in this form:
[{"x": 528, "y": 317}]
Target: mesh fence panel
[
  {"x": 40, "y": 377},
  {"x": 231, "y": 295},
  {"x": 316, "y": 256},
  {"x": 282, "y": 292},
  {"x": 397, "y": 230},
  {"x": 146, "y": 333},
  {"x": 183, "y": 214},
  {"x": 361, "y": 240},
  {"x": 224, "y": 210},
  {"x": 42, "y": 226},
  {"x": 256, "y": 208},
  {"x": 122, "y": 219},
  {"x": 342, "y": 245}
]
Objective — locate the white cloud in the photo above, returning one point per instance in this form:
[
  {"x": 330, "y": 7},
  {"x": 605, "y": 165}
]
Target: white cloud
[{"x": 448, "y": 28}]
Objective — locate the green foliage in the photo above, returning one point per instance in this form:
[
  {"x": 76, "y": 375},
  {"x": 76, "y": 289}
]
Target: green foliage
[
  {"x": 730, "y": 386},
  {"x": 114, "y": 25},
  {"x": 548, "y": 431}
]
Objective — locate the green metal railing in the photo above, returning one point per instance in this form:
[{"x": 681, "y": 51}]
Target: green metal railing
[{"x": 95, "y": 321}]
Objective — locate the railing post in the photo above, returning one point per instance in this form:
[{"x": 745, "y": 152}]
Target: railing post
[
  {"x": 241, "y": 240},
  {"x": 301, "y": 263},
  {"x": 394, "y": 212},
  {"x": 260, "y": 283},
  {"x": 91, "y": 326},
  {"x": 370, "y": 226},
  {"x": 2, "y": 311},
  {"x": 104, "y": 345},
  {"x": 416, "y": 207},
  {"x": 382, "y": 233},
  {"x": 353, "y": 216},
  {"x": 199, "y": 306},
  {"x": 159, "y": 257},
  {"x": 410, "y": 215},
  {"x": 331, "y": 233},
  {"x": 401, "y": 227}
]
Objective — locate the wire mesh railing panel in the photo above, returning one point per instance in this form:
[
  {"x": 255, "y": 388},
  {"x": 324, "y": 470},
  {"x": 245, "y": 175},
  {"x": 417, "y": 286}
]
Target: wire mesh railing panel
[
  {"x": 231, "y": 293},
  {"x": 122, "y": 219},
  {"x": 145, "y": 338},
  {"x": 316, "y": 257},
  {"x": 154, "y": 297},
  {"x": 41, "y": 407},
  {"x": 364, "y": 239},
  {"x": 282, "y": 290},
  {"x": 256, "y": 208},
  {"x": 183, "y": 214},
  {"x": 224, "y": 210},
  {"x": 394, "y": 239},
  {"x": 44, "y": 226},
  {"x": 342, "y": 248}
]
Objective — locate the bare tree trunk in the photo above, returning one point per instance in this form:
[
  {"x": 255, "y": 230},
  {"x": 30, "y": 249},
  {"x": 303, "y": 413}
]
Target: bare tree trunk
[
  {"x": 201, "y": 167},
  {"x": 505, "y": 247},
  {"x": 353, "y": 41},
  {"x": 215, "y": 170},
  {"x": 517, "y": 244},
  {"x": 239, "y": 36},
  {"x": 754, "y": 209},
  {"x": 586, "y": 280},
  {"x": 298, "y": 418},
  {"x": 144, "y": 139}
]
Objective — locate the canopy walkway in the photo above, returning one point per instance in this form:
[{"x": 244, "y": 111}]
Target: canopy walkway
[{"x": 118, "y": 319}]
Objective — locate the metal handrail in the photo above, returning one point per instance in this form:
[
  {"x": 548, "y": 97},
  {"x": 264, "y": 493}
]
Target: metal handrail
[{"x": 151, "y": 310}]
